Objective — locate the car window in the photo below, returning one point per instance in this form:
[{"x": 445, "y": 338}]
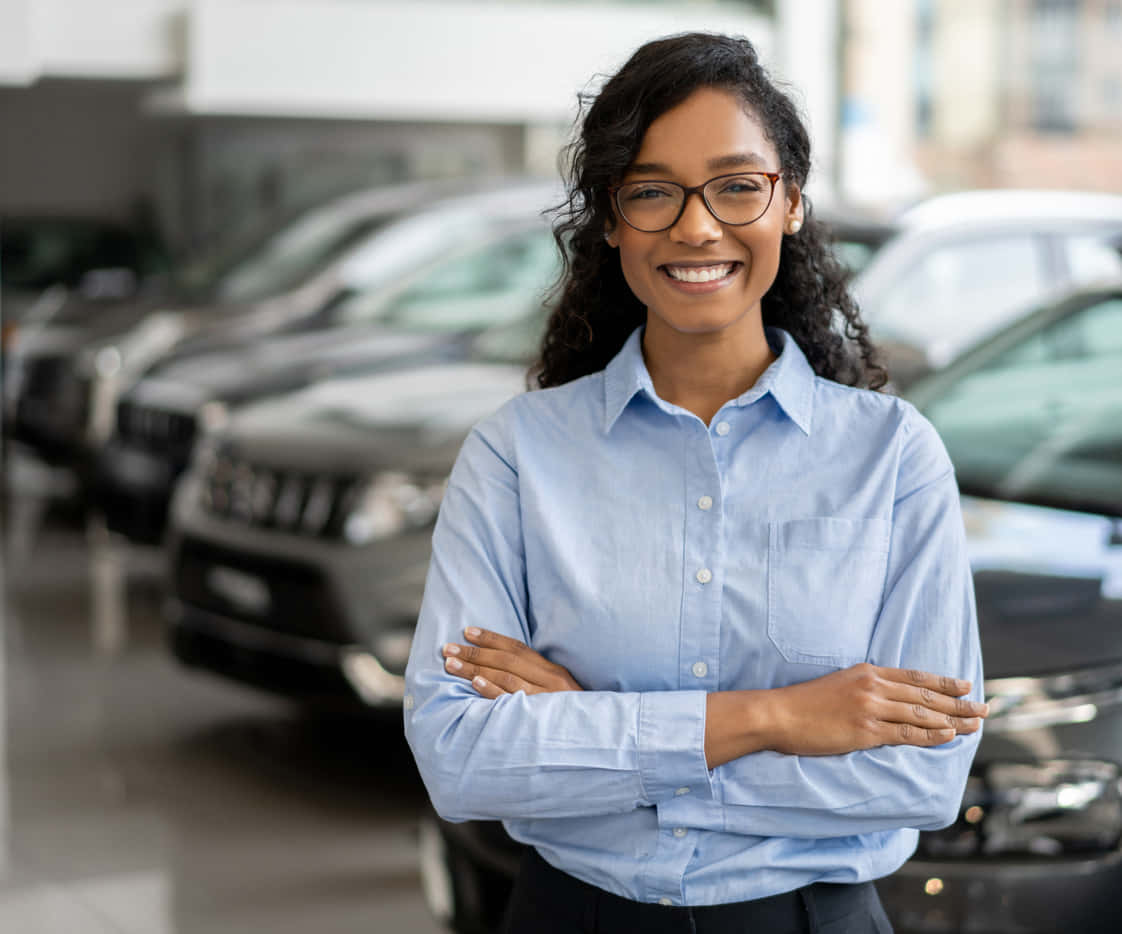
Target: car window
[
  {"x": 955, "y": 293},
  {"x": 290, "y": 257},
  {"x": 500, "y": 282},
  {"x": 1042, "y": 422},
  {"x": 1090, "y": 258}
]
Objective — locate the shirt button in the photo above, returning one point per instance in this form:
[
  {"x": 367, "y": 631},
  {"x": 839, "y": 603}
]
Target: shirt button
[
  {"x": 664, "y": 901},
  {"x": 704, "y": 576},
  {"x": 680, "y": 832},
  {"x": 723, "y": 428},
  {"x": 408, "y": 701},
  {"x": 699, "y": 669},
  {"x": 682, "y": 791},
  {"x": 706, "y": 502}
]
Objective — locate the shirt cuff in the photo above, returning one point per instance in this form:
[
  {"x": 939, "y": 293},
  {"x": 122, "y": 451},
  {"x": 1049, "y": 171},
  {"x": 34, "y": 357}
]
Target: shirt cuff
[{"x": 672, "y": 744}]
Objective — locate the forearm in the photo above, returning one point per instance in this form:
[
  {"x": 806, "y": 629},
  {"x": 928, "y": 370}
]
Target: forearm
[{"x": 565, "y": 754}]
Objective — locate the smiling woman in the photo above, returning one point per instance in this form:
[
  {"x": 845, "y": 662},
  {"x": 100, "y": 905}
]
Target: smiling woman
[{"x": 699, "y": 610}]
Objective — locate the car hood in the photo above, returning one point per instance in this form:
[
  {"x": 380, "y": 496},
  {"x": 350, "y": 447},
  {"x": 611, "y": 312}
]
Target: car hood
[
  {"x": 248, "y": 370},
  {"x": 413, "y": 419},
  {"x": 1048, "y": 585}
]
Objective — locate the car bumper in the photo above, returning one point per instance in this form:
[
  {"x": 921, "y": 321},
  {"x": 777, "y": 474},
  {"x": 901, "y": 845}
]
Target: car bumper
[
  {"x": 312, "y": 618},
  {"x": 312, "y": 672}
]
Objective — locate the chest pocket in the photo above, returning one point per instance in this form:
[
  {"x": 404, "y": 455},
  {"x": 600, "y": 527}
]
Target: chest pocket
[{"x": 825, "y": 580}]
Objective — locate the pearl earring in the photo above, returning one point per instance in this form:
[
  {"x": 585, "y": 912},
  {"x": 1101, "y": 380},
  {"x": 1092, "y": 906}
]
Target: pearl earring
[{"x": 794, "y": 227}]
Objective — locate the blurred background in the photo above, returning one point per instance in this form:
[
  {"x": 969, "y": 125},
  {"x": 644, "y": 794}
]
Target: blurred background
[{"x": 262, "y": 265}]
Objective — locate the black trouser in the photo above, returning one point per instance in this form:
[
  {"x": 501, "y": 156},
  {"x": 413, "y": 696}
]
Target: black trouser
[{"x": 548, "y": 901}]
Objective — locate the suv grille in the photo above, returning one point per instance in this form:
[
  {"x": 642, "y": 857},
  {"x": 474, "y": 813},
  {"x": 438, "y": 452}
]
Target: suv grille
[
  {"x": 299, "y": 502},
  {"x": 158, "y": 430}
]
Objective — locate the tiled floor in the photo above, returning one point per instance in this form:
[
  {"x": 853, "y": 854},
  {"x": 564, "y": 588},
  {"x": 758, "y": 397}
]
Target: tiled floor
[{"x": 137, "y": 797}]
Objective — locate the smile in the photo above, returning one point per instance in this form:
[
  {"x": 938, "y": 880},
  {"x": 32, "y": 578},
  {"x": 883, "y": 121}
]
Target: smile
[{"x": 700, "y": 273}]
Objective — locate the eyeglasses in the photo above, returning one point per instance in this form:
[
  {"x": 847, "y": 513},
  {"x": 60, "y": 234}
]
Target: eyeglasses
[{"x": 736, "y": 200}]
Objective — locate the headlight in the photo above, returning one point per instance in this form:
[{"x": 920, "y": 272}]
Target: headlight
[
  {"x": 392, "y": 503},
  {"x": 1053, "y": 808}
]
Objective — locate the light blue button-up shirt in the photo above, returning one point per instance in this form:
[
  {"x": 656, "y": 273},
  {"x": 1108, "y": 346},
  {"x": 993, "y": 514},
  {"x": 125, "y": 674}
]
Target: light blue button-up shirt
[{"x": 809, "y": 527}]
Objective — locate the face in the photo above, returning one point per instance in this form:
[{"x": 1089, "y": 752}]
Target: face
[{"x": 708, "y": 134}]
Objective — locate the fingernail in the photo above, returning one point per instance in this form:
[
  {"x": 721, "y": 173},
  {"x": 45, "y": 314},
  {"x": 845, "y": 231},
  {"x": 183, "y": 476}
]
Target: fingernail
[
  {"x": 453, "y": 664},
  {"x": 985, "y": 709},
  {"x": 472, "y": 631},
  {"x": 479, "y": 682},
  {"x": 451, "y": 649}
]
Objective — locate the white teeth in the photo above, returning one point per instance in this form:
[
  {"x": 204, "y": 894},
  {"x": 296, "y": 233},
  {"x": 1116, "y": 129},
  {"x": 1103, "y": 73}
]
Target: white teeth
[{"x": 699, "y": 273}]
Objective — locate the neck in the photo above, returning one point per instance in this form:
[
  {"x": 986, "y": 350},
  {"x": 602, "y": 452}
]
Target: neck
[{"x": 701, "y": 372}]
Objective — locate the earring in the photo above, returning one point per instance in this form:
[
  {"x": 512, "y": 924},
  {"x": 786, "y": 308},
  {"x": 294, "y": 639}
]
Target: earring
[{"x": 794, "y": 227}]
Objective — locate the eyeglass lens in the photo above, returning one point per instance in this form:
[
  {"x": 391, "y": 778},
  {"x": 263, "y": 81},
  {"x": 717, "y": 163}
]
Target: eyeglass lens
[{"x": 732, "y": 199}]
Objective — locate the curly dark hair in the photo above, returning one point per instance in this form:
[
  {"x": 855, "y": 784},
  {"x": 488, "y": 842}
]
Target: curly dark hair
[{"x": 595, "y": 310}]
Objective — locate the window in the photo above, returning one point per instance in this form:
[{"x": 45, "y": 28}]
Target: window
[
  {"x": 955, "y": 293},
  {"x": 1042, "y": 422},
  {"x": 501, "y": 282},
  {"x": 1092, "y": 258}
]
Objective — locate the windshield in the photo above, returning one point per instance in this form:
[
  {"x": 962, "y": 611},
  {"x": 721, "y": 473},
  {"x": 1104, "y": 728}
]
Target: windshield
[
  {"x": 499, "y": 282},
  {"x": 1041, "y": 420},
  {"x": 280, "y": 261}
]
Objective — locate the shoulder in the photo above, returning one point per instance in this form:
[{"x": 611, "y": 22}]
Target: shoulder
[
  {"x": 900, "y": 430},
  {"x": 560, "y": 415}
]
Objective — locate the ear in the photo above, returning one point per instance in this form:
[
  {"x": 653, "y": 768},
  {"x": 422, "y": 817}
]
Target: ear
[
  {"x": 610, "y": 236},
  {"x": 793, "y": 216}
]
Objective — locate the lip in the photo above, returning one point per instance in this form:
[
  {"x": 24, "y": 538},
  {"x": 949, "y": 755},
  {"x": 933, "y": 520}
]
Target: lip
[{"x": 701, "y": 288}]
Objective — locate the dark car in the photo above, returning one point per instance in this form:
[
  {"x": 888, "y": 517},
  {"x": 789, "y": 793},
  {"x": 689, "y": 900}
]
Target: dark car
[
  {"x": 391, "y": 326},
  {"x": 300, "y": 536},
  {"x": 67, "y": 373},
  {"x": 1032, "y": 419}
]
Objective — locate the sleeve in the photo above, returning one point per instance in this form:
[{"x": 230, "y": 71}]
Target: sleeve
[
  {"x": 544, "y": 755},
  {"x": 927, "y": 621}
]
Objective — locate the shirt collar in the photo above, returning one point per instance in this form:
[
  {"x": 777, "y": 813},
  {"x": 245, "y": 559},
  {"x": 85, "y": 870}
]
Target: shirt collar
[{"x": 790, "y": 380}]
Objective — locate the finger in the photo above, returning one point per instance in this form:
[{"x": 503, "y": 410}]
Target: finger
[
  {"x": 486, "y": 688},
  {"x": 943, "y": 684},
  {"x": 493, "y": 640},
  {"x": 529, "y": 666},
  {"x": 504, "y": 680},
  {"x": 906, "y": 734},
  {"x": 935, "y": 700},
  {"x": 924, "y": 717}
]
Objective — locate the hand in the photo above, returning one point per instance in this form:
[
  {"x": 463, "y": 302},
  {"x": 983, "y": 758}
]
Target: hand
[
  {"x": 498, "y": 665},
  {"x": 866, "y": 706}
]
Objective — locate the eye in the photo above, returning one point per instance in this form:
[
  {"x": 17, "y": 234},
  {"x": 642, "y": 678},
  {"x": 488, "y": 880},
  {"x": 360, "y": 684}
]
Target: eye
[
  {"x": 742, "y": 184},
  {"x": 645, "y": 191}
]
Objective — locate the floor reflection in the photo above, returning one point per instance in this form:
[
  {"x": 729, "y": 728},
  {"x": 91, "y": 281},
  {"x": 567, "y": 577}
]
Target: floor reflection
[{"x": 145, "y": 798}]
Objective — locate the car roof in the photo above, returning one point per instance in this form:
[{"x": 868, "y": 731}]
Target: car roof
[{"x": 1012, "y": 204}]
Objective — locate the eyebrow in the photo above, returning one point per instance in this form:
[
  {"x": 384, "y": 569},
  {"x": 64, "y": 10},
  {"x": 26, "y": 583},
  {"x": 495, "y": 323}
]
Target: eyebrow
[{"x": 732, "y": 161}]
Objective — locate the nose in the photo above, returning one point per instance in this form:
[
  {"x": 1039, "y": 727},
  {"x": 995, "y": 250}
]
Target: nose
[{"x": 697, "y": 225}]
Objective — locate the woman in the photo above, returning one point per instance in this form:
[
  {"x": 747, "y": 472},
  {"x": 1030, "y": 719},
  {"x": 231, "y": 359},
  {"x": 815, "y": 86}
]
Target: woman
[{"x": 697, "y": 610}]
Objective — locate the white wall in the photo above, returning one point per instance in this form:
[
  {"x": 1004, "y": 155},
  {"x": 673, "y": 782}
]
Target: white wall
[
  {"x": 138, "y": 39},
  {"x": 442, "y": 61}
]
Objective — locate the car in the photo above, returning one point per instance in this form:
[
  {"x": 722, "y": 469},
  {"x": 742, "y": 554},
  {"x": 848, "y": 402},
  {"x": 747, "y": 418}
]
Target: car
[
  {"x": 963, "y": 265},
  {"x": 66, "y": 374},
  {"x": 361, "y": 330},
  {"x": 99, "y": 258},
  {"x": 299, "y": 535},
  {"x": 1032, "y": 419}
]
